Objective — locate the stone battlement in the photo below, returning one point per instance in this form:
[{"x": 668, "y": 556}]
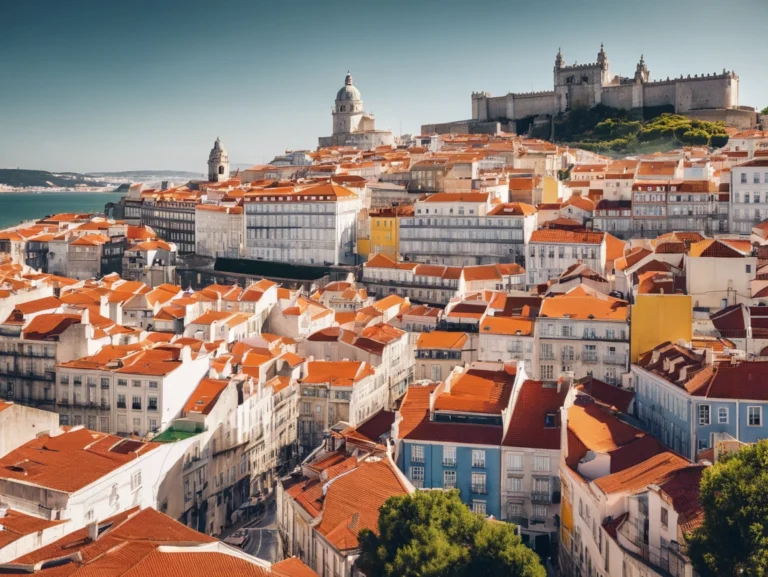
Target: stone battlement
[
  {"x": 476, "y": 95},
  {"x": 578, "y": 67},
  {"x": 535, "y": 93}
]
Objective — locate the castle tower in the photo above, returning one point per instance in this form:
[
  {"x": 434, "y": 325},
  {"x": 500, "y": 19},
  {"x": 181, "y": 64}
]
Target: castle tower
[
  {"x": 559, "y": 59},
  {"x": 348, "y": 109},
  {"x": 641, "y": 73},
  {"x": 602, "y": 58},
  {"x": 218, "y": 163}
]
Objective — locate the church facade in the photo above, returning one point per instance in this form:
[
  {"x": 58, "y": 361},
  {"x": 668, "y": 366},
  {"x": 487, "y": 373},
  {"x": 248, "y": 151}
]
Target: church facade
[{"x": 352, "y": 126}]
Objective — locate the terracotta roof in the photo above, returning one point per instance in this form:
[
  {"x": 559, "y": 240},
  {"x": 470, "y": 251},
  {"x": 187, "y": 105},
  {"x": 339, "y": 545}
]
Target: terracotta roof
[
  {"x": 499, "y": 325},
  {"x": 650, "y": 472},
  {"x": 713, "y": 248},
  {"x": 16, "y": 525},
  {"x": 441, "y": 340},
  {"x": 70, "y": 461},
  {"x": 513, "y": 209},
  {"x": 478, "y": 391},
  {"x": 580, "y": 304},
  {"x": 560, "y": 236},
  {"x": 204, "y": 397},
  {"x": 535, "y": 421},
  {"x": 292, "y": 567},
  {"x": 415, "y": 423},
  {"x": 46, "y": 327},
  {"x": 336, "y": 373},
  {"x": 352, "y": 502},
  {"x": 609, "y": 395},
  {"x": 682, "y": 486}
]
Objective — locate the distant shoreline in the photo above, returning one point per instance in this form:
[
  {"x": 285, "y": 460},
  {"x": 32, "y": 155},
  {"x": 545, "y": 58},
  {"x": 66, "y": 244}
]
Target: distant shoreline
[{"x": 99, "y": 190}]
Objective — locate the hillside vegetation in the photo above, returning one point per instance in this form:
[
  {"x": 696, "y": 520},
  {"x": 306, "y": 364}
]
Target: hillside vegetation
[
  {"x": 609, "y": 130},
  {"x": 19, "y": 177}
]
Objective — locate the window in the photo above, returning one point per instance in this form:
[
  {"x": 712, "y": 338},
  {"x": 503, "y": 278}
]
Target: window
[
  {"x": 152, "y": 404},
  {"x": 135, "y": 480},
  {"x": 478, "y": 458},
  {"x": 104, "y": 382},
  {"x": 478, "y": 507},
  {"x": 743, "y": 179},
  {"x": 136, "y": 403},
  {"x": 514, "y": 485},
  {"x": 417, "y": 477},
  {"x": 722, "y": 416},
  {"x": 417, "y": 454},
  {"x": 664, "y": 517},
  {"x": 187, "y": 492},
  {"x": 478, "y": 483},
  {"x": 122, "y": 382},
  {"x": 136, "y": 383},
  {"x": 514, "y": 510},
  {"x": 704, "y": 415},
  {"x": 449, "y": 479},
  {"x": 120, "y": 401},
  {"x": 136, "y": 425},
  {"x": 541, "y": 463},
  {"x": 540, "y": 512},
  {"x": 449, "y": 456},
  {"x": 754, "y": 416},
  {"x": 749, "y": 268},
  {"x": 152, "y": 384},
  {"x": 514, "y": 462},
  {"x": 547, "y": 372}
]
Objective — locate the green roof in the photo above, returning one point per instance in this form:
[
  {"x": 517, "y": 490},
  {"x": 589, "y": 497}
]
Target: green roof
[{"x": 171, "y": 435}]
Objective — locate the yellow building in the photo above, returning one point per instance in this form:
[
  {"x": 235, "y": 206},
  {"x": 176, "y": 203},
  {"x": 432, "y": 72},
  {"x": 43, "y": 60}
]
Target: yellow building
[
  {"x": 384, "y": 231},
  {"x": 657, "y": 318}
]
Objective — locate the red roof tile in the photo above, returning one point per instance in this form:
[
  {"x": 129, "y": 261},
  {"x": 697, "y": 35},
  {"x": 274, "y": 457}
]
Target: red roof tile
[{"x": 529, "y": 425}]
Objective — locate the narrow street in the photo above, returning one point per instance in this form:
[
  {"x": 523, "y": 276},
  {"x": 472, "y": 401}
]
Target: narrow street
[{"x": 263, "y": 539}]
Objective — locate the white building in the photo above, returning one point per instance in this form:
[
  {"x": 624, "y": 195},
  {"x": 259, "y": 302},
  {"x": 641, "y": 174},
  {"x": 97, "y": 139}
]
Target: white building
[
  {"x": 218, "y": 163},
  {"x": 20, "y": 424},
  {"x": 309, "y": 225},
  {"x": 718, "y": 272},
  {"x": 466, "y": 229},
  {"x": 219, "y": 231},
  {"x": 749, "y": 195},
  {"x": 551, "y": 251},
  {"x": 583, "y": 332}
]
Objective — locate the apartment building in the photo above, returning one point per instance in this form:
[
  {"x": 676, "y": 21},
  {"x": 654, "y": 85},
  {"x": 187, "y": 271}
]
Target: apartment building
[
  {"x": 585, "y": 333},
  {"x": 333, "y": 391},
  {"x": 219, "y": 230},
  {"x": 152, "y": 262},
  {"x": 504, "y": 338},
  {"x": 719, "y": 272},
  {"x": 530, "y": 462},
  {"x": 309, "y": 225},
  {"x": 128, "y": 390},
  {"x": 21, "y": 424},
  {"x": 449, "y": 436},
  {"x": 439, "y": 352},
  {"x": 460, "y": 229},
  {"x": 435, "y": 284},
  {"x": 749, "y": 195},
  {"x": 551, "y": 251}
]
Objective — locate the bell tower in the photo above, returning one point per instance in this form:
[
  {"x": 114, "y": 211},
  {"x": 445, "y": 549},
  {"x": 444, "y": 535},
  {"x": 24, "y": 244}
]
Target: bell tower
[{"x": 218, "y": 163}]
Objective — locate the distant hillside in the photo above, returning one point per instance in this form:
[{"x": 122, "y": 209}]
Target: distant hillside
[
  {"x": 22, "y": 178},
  {"x": 612, "y": 131},
  {"x": 142, "y": 175}
]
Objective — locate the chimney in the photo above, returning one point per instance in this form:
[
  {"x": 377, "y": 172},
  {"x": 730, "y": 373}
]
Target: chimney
[{"x": 93, "y": 530}]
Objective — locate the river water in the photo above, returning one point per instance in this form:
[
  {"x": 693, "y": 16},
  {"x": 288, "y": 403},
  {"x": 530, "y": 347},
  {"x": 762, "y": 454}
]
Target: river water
[{"x": 19, "y": 206}]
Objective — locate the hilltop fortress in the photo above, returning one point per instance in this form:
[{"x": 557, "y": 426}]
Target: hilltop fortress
[{"x": 705, "y": 96}]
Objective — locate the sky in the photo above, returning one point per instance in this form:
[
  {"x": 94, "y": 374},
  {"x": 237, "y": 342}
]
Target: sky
[{"x": 95, "y": 85}]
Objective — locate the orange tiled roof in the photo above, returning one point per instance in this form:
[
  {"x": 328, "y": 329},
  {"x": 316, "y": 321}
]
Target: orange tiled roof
[
  {"x": 337, "y": 373},
  {"x": 70, "y": 461},
  {"x": 441, "y": 340},
  {"x": 204, "y": 397},
  {"x": 529, "y": 426},
  {"x": 649, "y": 472},
  {"x": 497, "y": 325},
  {"x": 580, "y": 304},
  {"x": 560, "y": 236},
  {"x": 478, "y": 391}
]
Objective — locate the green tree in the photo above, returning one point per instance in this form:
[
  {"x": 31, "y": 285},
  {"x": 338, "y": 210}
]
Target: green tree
[
  {"x": 733, "y": 539},
  {"x": 432, "y": 533},
  {"x": 764, "y": 111}
]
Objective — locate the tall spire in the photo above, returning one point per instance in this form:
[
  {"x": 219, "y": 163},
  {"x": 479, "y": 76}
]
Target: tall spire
[
  {"x": 559, "y": 58},
  {"x": 602, "y": 57}
]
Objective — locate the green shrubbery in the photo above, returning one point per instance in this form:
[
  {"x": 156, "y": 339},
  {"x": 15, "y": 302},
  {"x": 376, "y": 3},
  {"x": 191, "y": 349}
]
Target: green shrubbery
[{"x": 605, "y": 130}]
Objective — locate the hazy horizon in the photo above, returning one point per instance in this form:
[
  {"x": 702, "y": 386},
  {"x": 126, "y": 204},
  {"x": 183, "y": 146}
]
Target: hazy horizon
[{"x": 90, "y": 86}]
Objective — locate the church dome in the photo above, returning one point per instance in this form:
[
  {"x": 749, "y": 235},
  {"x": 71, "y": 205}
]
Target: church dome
[{"x": 348, "y": 91}]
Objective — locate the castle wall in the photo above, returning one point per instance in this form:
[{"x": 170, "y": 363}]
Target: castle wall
[
  {"x": 497, "y": 108},
  {"x": 705, "y": 92},
  {"x": 659, "y": 93},
  {"x": 739, "y": 118},
  {"x": 533, "y": 104},
  {"x": 619, "y": 96}
]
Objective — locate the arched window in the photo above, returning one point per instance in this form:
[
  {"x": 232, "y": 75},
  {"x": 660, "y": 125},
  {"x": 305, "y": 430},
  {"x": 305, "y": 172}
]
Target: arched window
[{"x": 221, "y": 169}]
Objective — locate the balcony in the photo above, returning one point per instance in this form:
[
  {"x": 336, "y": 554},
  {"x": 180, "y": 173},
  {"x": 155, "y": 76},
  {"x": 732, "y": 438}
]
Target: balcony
[
  {"x": 449, "y": 462},
  {"x": 120, "y": 405},
  {"x": 479, "y": 488},
  {"x": 615, "y": 360},
  {"x": 547, "y": 356},
  {"x": 541, "y": 497},
  {"x": 588, "y": 357}
]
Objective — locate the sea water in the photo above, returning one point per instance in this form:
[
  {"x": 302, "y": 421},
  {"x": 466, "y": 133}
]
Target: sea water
[{"x": 21, "y": 206}]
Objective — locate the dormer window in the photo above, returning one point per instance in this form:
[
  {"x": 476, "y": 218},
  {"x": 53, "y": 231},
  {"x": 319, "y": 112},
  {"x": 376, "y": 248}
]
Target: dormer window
[{"x": 550, "y": 420}]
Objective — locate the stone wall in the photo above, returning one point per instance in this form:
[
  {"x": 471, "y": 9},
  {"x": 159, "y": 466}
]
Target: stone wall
[
  {"x": 719, "y": 91},
  {"x": 533, "y": 104},
  {"x": 739, "y": 118},
  {"x": 619, "y": 96},
  {"x": 659, "y": 93}
]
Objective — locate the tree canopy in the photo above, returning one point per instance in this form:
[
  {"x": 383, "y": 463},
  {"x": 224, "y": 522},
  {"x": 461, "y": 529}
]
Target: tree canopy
[
  {"x": 432, "y": 533},
  {"x": 733, "y": 538},
  {"x": 764, "y": 110}
]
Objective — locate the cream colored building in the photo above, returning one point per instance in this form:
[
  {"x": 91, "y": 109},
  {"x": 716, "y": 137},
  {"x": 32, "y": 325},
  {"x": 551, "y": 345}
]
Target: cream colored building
[{"x": 219, "y": 231}]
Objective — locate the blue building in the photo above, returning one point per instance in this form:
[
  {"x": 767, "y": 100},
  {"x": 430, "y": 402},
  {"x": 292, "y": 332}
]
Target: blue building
[
  {"x": 449, "y": 435},
  {"x": 684, "y": 398}
]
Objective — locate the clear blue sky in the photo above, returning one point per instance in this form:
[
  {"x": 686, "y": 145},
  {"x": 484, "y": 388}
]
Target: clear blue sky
[{"x": 88, "y": 85}]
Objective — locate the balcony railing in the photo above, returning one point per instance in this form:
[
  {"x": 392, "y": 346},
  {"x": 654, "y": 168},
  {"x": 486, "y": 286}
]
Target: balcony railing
[
  {"x": 588, "y": 357},
  {"x": 547, "y": 356},
  {"x": 479, "y": 488},
  {"x": 542, "y": 497},
  {"x": 615, "y": 360},
  {"x": 448, "y": 462}
]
